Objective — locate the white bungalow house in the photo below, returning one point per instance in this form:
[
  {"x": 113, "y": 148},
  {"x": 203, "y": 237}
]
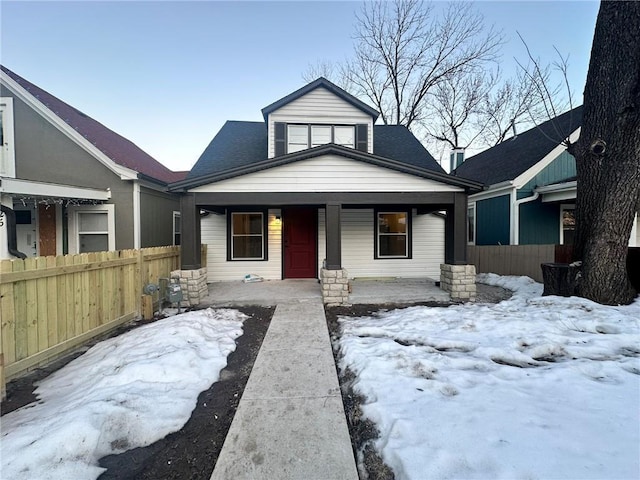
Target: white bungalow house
[{"x": 318, "y": 190}]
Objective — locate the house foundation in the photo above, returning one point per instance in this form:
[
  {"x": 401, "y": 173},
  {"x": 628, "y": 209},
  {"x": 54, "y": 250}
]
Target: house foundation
[
  {"x": 335, "y": 287},
  {"x": 459, "y": 281},
  {"x": 193, "y": 284}
]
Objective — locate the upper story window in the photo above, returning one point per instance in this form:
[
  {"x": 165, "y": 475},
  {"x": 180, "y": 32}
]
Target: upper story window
[
  {"x": 290, "y": 138},
  {"x": 301, "y": 137}
]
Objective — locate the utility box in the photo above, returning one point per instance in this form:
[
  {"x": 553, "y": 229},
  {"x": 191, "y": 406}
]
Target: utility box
[{"x": 174, "y": 291}]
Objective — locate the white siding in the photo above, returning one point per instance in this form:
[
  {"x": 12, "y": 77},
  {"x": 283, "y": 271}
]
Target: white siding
[
  {"x": 357, "y": 247},
  {"x": 328, "y": 173},
  {"x": 214, "y": 232},
  {"x": 319, "y": 106}
]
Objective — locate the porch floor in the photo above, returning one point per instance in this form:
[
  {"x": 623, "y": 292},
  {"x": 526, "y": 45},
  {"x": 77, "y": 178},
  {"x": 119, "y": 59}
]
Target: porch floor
[{"x": 364, "y": 291}]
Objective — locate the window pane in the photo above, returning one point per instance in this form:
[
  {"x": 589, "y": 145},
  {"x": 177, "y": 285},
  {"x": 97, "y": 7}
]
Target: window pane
[
  {"x": 344, "y": 136},
  {"x": 470, "y": 227},
  {"x": 176, "y": 223},
  {"x": 393, "y": 245},
  {"x": 93, "y": 222},
  {"x": 93, "y": 243},
  {"x": 247, "y": 247},
  {"x": 392, "y": 222},
  {"x": 247, "y": 223},
  {"x": 298, "y": 138},
  {"x": 568, "y": 226},
  {"x": 320, "y": 135}
]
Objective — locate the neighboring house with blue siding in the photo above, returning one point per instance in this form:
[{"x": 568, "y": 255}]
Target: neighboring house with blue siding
[{"x": 531, "y": 194}]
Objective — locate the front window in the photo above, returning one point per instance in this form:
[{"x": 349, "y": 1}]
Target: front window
[
  {"x": 176, "y": 228},
  {"x": 471, "y": 225},
  {"x": 568, "y": 225},
  {"x": 392, "y": 235},
  {"x": 92, "y": 228},
  {"x": 247, "y": 236}
]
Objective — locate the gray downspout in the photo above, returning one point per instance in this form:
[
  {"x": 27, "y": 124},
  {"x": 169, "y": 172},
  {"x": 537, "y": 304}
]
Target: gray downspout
[{"x": 12, "y": 240}]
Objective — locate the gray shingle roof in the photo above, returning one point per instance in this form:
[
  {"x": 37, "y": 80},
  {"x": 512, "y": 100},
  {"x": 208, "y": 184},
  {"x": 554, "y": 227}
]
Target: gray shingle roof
[
  {"x": 240, "y": 144},
  {"x": 237, "y": 144},
  {"x": 516, "y": 155}
]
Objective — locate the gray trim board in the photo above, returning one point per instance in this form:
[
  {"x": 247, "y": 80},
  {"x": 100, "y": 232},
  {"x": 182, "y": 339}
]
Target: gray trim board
[
  {"x": 320, "y": 198},
  {"x": 469, "y": 185}
]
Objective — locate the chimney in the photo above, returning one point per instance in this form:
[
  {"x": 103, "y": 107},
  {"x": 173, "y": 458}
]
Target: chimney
[{"x": 456, "y": 157}]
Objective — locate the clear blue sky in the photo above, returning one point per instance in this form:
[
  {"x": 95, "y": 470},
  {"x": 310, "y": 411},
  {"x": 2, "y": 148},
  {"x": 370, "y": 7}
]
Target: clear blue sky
[{"x": 167, "y": 75}]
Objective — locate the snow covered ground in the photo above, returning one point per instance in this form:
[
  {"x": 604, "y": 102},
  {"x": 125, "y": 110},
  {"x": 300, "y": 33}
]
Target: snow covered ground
[
  {"x": 125, "y": 392},
  {"x": 530, "y": 388}
]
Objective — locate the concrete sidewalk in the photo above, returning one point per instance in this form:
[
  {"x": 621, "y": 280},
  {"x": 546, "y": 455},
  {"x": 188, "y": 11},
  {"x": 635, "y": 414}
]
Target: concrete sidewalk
[{"x": 290, "y": 423}]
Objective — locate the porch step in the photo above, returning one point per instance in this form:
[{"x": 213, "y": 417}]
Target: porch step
[{"x": 290, "y": 423}]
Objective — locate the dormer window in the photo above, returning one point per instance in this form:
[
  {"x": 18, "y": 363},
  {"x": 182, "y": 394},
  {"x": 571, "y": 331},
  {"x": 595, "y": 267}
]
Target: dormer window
[{"x": 302, "y": 136}]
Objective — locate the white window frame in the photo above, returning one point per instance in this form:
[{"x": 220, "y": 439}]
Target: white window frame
[
  {"x": 407, "y": 237},
  {"x": 471, "y": 240},
  {"x": 74, "y": 234},
  {"x": 564, "y": 207},
  {"x": 262, "y": 237},
  {"x": 176, "y": 214},
  {"x": 353, "y": 135},
  {"x": 297, "y": 145},
  {"x": 8, "y": 162}
]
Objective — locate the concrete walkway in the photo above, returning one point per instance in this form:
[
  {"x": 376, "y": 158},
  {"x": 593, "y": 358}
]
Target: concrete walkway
[{"x": 290, "y": 423}]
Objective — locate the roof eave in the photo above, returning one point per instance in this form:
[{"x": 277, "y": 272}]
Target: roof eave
[{"x": 320, "y": 82}]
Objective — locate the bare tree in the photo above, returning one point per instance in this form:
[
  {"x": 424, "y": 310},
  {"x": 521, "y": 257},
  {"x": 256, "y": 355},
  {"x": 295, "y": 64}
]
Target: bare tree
[
  {"x": 608, "y": 155},
  {"x": 404, "y": 51},
  {"x": 433, "y": 69}
]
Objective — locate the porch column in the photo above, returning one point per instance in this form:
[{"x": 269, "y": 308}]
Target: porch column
[
  {"x": 455, "y": 231},
  {"x": 456, "y": 277},
  {"x": 334, "y": 236},
  {"x": 189, "y": 233}
]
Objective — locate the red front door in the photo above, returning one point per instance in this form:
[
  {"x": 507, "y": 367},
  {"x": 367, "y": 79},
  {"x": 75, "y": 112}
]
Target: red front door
[{"x": 299, "y": 238}]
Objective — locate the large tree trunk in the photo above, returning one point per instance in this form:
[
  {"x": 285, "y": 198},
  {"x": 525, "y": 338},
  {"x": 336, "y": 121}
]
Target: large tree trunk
[{"x": 608, "y": 155}]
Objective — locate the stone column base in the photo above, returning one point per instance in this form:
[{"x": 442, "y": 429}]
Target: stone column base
[
  {"x": 459, "y": 281},
  {"x": 335, "y": 287},
  {"x": 193, "y": 284}
]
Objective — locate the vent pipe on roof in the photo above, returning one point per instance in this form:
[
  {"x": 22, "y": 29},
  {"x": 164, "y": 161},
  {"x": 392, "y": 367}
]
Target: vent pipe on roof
[{"x": 456, "y": 158}]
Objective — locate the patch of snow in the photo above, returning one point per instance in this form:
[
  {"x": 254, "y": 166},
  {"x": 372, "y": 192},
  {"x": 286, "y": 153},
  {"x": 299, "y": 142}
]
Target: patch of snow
[
  {"x": 125, "y": 392},
  {"x": 533, "y": 387}
]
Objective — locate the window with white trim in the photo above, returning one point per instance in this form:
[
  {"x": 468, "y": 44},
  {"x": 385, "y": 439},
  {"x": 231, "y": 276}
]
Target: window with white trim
[
  {"x": 92, "y": 228},
  {"x": 247, "y": 238},
  {"x": 471, "y": 224},
  {"x": 301, "y": 137},
  {"x": 7, "y": 151},
  {"x": 392, "y": 238},
  {"x": 176, "y": 228}
]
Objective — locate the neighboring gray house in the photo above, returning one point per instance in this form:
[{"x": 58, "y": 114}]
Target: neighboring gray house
[
  {"x": 318, "y": 186},
  {"x": 68, "y": 184},
  {"x": 531, "y": 194}
]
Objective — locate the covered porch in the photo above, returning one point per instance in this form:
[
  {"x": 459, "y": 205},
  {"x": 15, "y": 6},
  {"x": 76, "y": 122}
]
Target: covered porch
[{"x": 364, "y": 291}]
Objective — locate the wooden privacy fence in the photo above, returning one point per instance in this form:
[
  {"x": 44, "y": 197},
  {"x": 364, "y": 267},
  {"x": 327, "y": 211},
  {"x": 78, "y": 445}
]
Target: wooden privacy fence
[
  {"x": 511, "y": 259},
  {"x": 50, "y": 305}
]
